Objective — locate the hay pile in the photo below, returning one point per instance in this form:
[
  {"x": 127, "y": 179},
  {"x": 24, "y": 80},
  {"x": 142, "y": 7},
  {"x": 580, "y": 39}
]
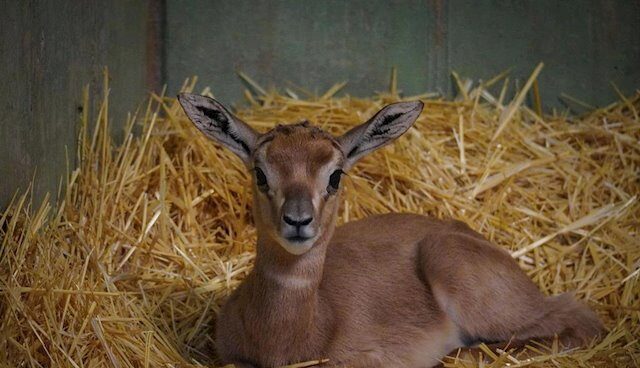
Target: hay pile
[{"x": 151, "y": 235}]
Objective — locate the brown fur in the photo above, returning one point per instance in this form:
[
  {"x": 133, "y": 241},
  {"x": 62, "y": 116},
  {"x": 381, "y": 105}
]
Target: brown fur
[
  {"x": 397, "y": 290},
  {"x": 390, "y": 290}
]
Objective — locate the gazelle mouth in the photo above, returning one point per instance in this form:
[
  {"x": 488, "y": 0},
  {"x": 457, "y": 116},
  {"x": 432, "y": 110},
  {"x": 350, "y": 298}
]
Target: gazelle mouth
[
  {"x": 297, "y": 239},
  {"x": 297, "y": 244}
]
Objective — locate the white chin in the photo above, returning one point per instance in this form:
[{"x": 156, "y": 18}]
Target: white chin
[{"x": 297, "y": 248}]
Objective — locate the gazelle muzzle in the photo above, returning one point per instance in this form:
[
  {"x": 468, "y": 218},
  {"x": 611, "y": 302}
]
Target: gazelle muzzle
[{"x": 297, "y": 224}]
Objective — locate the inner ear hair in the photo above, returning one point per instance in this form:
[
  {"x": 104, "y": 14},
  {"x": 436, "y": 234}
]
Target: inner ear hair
[
  {"x": 386, "y": 125},
  {"x": 217, "y": 123}
]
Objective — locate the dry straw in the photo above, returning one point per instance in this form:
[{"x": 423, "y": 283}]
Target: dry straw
[{"x": 152, "y": 234}]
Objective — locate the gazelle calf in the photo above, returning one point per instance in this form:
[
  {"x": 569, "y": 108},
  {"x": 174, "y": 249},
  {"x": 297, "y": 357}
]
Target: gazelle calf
[{"x": 396, "y": 290}]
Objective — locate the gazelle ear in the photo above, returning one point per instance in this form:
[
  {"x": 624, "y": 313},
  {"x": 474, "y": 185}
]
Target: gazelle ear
[
  {"x": 385, "y": 126},
  {"x": 217, "y": 123}
]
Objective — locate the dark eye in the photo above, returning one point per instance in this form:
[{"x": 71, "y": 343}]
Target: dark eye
[
  {"x": 261, "y": 179},
  {"x": 334, "y": 181}
]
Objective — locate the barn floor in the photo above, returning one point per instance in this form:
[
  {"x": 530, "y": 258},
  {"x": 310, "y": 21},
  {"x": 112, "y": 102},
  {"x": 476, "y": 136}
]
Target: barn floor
[{"x": 151, "y": 234}]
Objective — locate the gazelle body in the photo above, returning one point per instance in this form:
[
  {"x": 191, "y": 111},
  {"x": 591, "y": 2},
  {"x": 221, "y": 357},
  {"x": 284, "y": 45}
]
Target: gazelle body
[{"x": 397, "y": 290}]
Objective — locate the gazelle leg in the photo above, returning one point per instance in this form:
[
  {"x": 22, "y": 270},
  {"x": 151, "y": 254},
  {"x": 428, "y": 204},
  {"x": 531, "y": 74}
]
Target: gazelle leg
[{"x": 484, "y": 291}]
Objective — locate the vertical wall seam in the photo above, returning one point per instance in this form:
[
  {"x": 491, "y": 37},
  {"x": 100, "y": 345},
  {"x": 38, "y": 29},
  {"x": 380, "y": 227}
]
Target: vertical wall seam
[{"x": 156, "y": 75}]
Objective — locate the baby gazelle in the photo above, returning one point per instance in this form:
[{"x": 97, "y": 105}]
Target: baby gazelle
[{"x": 396, "y": 290}]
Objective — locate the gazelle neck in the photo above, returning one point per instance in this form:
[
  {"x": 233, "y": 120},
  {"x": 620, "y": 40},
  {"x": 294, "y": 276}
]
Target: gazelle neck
[
  {"x": 282, "y": 294},
  {"x": 276, "y": 269}
]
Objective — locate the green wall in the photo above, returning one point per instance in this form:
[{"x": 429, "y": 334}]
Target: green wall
[
  {"x": 585, "y": 44},
  {"x": 48, "y": 51}
]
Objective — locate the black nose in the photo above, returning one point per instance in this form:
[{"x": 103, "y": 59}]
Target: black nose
[{"x": 298, "y": 221}]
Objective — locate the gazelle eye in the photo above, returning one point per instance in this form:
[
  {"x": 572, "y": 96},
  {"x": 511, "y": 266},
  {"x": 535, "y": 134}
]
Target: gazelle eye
[
  {"x": 334, "y": 181},
  {"x": 261, "y": 179}
]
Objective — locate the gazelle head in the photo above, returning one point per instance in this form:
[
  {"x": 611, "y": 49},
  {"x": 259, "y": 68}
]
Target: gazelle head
[{"x": 297, "y": 168}]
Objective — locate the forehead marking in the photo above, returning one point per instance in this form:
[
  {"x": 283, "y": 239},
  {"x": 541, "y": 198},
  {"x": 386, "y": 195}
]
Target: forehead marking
[{"x": 299, "y": 145}]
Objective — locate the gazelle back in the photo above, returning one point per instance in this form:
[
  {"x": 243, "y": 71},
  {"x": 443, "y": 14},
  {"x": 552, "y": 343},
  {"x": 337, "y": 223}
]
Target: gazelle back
[{"x": 397, "y": 290}]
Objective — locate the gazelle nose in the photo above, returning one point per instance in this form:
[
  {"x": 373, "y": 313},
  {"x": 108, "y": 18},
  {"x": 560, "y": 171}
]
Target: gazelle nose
[
  {"x": 297, "y": 214},
  {"x": 297, "y": 222}
]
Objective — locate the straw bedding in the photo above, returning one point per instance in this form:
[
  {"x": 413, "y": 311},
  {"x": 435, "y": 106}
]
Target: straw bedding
[{"x": 151, "y": 234}]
